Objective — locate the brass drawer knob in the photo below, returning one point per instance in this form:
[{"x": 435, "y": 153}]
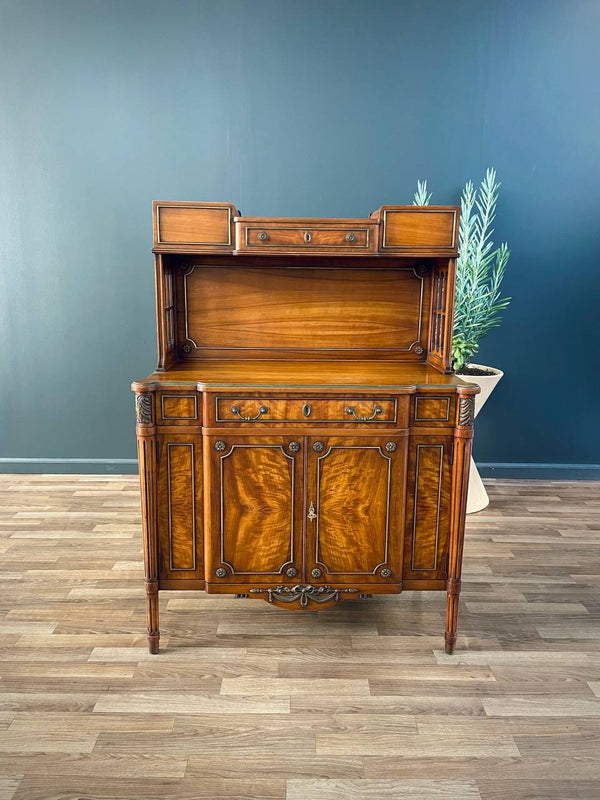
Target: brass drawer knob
[
  {"x": 318, "y": 447},
  {"x": 263, "y": 236},
  {"x": 294, "y": 447},
  {"x": 351, "y": 238},
  {"x": 291, "y": 572},
  {"x": 386, "y": 573},
  {"x": 220, "y": 446},
  {"x": 221, "y": 572},
  {"x": 316, "y": 572},
  {"x": 391, "y": 447}
]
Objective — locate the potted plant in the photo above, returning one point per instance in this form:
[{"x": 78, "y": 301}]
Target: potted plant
[{"x": 479, "y": 272}]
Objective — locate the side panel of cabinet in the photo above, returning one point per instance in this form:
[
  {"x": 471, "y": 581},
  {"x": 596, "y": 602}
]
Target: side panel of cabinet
[
  {"x": 355, "y": 511},
  {"x": 253, "y": 510},
  {"x": 180, "y": 506},
  {"x": 427, "y": 507}
]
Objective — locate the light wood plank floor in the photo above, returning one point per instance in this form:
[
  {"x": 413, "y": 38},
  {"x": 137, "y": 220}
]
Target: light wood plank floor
[{"x": 247, "y": 702}]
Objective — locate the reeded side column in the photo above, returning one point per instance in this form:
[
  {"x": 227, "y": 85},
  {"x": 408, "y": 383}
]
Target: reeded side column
[
  {"x": 146, "y": 441},
  {"x": 463, "y": 439}
]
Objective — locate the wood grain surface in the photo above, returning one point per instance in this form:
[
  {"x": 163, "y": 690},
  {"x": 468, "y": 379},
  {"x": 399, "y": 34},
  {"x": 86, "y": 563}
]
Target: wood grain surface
[
  {"x": 320, "y": 310},
  {"x": 247, "y": 701},
  {"x": 357, "y": 487}
]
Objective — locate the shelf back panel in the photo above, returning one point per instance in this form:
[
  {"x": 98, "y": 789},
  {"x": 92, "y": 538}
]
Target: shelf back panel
[{"x": 230, "y": 311}]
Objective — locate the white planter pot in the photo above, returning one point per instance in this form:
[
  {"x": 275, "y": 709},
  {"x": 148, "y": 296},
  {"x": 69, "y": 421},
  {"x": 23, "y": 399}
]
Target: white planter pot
[{"x": 477, "y": 497}]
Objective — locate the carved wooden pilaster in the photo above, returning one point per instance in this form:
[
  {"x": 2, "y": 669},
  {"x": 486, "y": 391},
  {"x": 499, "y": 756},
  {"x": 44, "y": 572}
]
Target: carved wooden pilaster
[
  {"x": 146, "y": 440},
  {"x": 463, "y": 439},
  {"x": 143, "y": 409},
  {"x": 466, "y": 410}
]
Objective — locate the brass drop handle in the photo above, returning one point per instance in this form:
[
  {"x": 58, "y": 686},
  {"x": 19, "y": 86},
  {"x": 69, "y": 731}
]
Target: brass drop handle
[
  {"x": 237, "y": 410},
  {"x": 377, "y": 410},
  {"x": 311, "y": 512}
]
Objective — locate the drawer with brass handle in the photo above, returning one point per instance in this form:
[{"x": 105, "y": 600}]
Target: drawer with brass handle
[
  {"x": 304, "y": 235},
  {"x": 355, "y": 410}
]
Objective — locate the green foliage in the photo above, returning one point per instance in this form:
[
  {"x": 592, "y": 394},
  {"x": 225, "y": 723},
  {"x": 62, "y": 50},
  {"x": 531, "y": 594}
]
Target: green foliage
[
  {"x": 420, "y": 197},
  {"x": 479, "y": 269}
]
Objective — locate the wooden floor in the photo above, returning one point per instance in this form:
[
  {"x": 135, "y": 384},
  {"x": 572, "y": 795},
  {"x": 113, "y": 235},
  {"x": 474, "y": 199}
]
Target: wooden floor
[{"x": 250, "y": 702}]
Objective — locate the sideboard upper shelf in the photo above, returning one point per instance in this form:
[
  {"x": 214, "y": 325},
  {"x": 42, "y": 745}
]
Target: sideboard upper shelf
[{"x": 412, "y": 231}]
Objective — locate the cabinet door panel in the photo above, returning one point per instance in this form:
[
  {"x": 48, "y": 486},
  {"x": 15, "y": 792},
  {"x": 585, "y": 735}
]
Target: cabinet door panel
[
  {"x": 427, "y": 515},
  {"x": 180, "y": 505},
  {"x": 356, "y": 486},
  {"x": 255, "y": 500}
]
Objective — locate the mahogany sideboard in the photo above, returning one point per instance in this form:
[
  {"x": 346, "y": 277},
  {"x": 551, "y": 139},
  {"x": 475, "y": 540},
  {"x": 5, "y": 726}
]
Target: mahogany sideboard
[{"x": 303, "y": 439}]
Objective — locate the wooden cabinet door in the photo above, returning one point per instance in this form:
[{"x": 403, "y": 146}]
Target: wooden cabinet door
[
  {"x": 355, "y": 509},
  {"x": 428, "y": 507},
  {"x": 254, "y": 510},
  {"x": 180, "y": 506}
]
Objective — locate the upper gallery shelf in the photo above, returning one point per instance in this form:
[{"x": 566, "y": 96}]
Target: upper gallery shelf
[{"x": 411, "y": 231}]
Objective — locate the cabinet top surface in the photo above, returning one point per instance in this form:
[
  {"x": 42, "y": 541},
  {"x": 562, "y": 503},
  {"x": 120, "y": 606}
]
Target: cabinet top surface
[{"x": 334, "y": 375}]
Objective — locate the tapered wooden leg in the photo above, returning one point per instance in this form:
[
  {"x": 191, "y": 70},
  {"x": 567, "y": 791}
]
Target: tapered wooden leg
[
  {"x": 146, "y": 438},
  {"x": 453, "y": 593},
  {"x": 460, "y": 480},
  {"x": 152, "y": 616}
]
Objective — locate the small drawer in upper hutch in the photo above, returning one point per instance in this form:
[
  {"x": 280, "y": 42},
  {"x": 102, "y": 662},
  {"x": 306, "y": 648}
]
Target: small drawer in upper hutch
[
  {"x": 177, "y": 408},
  {"x": 304, "y": 235},
  {"x": 418, "y": 228},
  {"x": 189, "y": 226},
  {"x": 352, "y": 410}
]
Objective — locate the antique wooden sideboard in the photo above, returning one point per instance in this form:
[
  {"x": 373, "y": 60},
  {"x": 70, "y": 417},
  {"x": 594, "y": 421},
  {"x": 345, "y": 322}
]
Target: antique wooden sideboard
[{"x": 303, "y": 439}]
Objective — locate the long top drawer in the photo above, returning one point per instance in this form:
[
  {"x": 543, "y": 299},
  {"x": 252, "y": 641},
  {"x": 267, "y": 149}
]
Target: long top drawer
[
  {"x": 268, "y": 410},
  {"x": 305, "y": 235}
]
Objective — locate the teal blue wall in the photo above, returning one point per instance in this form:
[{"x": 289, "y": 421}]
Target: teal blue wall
[{"x": 288, "y": 107}]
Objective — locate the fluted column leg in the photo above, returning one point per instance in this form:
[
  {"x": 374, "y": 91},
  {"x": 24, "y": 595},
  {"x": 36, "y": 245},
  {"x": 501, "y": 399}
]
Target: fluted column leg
[
  {"x": 146, "y": 439},
  {"x": 463, "y": 438}
]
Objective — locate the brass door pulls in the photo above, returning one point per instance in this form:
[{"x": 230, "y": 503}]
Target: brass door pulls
[
  {"x": 351, "y": 411},
  {"x": 237, "y": 410}
]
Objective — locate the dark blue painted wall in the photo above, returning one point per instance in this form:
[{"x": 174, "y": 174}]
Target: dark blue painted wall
[{"x": 293, "y": 108}]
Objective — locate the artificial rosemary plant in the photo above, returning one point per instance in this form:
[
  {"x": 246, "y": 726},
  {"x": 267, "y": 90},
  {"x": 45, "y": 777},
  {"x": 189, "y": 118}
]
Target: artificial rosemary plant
[{"x": 479, "y": 267}]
